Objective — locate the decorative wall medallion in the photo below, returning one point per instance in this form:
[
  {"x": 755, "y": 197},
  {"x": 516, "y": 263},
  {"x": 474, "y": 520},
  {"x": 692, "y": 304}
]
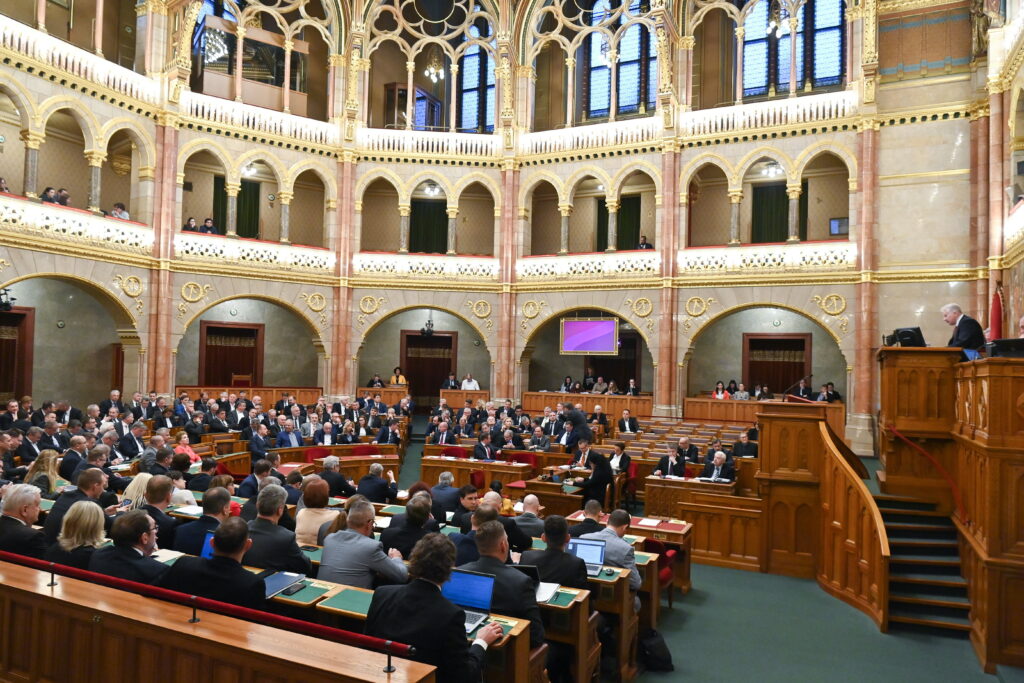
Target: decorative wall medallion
[
  {"x": 316, "y": 301},
  {"x": 641, "y": 307},
  {"x": 481, "y": 308},
  {"x": 369, "y": 305},
  {"x": 131, "y": 285},
  {"x": 193, "y": 291},
  {"x": 3, "y": 264},
  {"x": 696, "y": 306},
  {"x": 531, "y": 309},
  {"x": 833, "y": 304}
]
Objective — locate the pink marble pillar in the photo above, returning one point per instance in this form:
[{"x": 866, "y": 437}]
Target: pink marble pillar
[
  {"x": 97, "y": 29},
  {"x": 739, "y": 32},
  {"x": 979, "y": 207},
  {"x": 160, "y": 359},
  {"x": 239, "y": 49},
  {"x": 996, "y": 209},
  {"x": 867, "y": 312},
  {"x": 341, "y": 380},
  {"x": 503, "y": 384},
  {"x": 666, "y": 386}
]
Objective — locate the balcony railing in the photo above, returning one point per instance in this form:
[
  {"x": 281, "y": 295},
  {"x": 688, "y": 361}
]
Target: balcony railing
[
  {"x": 28, "y": 219},
  {"x": 768, "y": 258},
  {"x": 780, "y": 112},
  {"x": 228, "y": 251},
  {"x": 425, "y": 266},
  {"x": 238, "y": 115},
  {"x": 428, "y": 143},
  {"x": 57, "y": 54},
  {"x": 617, "y": 133},
  {"x": 602, "y": 265}
]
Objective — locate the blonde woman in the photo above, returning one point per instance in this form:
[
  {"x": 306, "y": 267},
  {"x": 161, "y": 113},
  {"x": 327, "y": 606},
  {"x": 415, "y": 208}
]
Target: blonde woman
[
  {"x": 81, "y": 532},
  {"x": 136, "y": 491},
  {"x": 42, "y": 473}
]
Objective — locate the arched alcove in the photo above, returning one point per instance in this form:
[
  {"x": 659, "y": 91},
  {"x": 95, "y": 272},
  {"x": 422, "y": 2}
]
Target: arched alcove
[
  {"x": 544, "y": 219},
  {"x": 201, "y": 170},
  {"x": 306, "y": 220},
  {"x": 475, "y": 229},
  {"x": 825, "y": 182},
  {"x": 62, "y": 162},
  {"x": 381, "y": 220},
  {"x": 119, "y": 172},
  {"x": 636, "y": 214},
  {"x": 12, "y": 161},
  {"x": 708, "y": 196}
]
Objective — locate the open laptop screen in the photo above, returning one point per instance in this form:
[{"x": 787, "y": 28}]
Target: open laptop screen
[
  {"x": 590, "y": 551},
  {"x": 469, "y": 589},
  {"x": 207, "y": 551}
]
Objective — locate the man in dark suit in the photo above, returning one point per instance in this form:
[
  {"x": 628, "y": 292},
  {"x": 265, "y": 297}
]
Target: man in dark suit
[
  {"x": 517, "y": 540},
  {"x": 444, "y": 494},
  {"x": 553, "y": 563},
  {"x": 113, "y": 402},
  {"x": 529, "y": 522},
  {"x": 339, "y": 485},
  {"x": 289, "y": 437},
  {"x": 195, "y": 428},
  {"x": 38, "y": 417},
  {"x": 419, "y": 615},
  {"x": 389, "y": 434},
  {"x": 65, "y": 413},
  {"x": 20, "y": 512},
  {"x": 803, "y": 390},
  {"x": 595, "y": 487},
  {"x": 510, "y": 441},
  {"x": 30, "y": 446},
  {"x": 221, "y": 577},
  {"x": 250, "y": 486},
  {"x": 451, "y": 382},
  {"x": 582, "y": 455},
  {"x": 201, "y": 481},
  {"x": 325, "y": 436},
  {"x": 443, "y": 437},
  {"x": 591, "y": 520},
  {"x": 91, "y": 485},
  {"x": 130, "y": 445},
  {"x": 967, "y": 332},
  {"x": 628, "y": 423},
  {"x": 744, "y": 448},
  {"x": 687, "y": 451},
  {"x": 135, "y": 536},
  {"x": 483, "y": 450},
  {"x": 158, "y": 497},
  {"x": 403, "y": 537},
  {"x": 258, "y": 444},
  {"x": 375, "y": 488},
  {"x": 670, "y": 465},
  {"x": 74, "y": 455},
  {"x": 52, "y": 437},
  {"x": 718, "y": 468},
  {"x": 189, "y": 537},
  {"x": 273, "y": 546},
  {"x": 219, "y": 423},
  {"x": 469, "y": 501},
  {"x": 514, "y": 592}
]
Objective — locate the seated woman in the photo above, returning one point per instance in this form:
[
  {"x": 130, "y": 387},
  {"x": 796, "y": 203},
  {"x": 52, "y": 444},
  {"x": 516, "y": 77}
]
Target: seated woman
[
  {"x": 361, "y": 429},
  {"x": 135, "y": 493},
  {"x": 81, "y": 532},
  {"x": 314, "y": 513},
  {"x": 732, "y": 388},
  {"x": 566, "y": 384},
  {"x": 613, "y": 388},
  {"x": 184, "y": 447},
  {"x": 720, "y": 392},
  {"x": 398, "y": 378},
  {"x": 228, "y": 482},
  {"x": 577, "y": 388},
  {"x": 348, "y": 433},
  {"x": 42, "y": 473},
  {"x": 179, "y": 494},
  {"x": 190, "y": 225}
]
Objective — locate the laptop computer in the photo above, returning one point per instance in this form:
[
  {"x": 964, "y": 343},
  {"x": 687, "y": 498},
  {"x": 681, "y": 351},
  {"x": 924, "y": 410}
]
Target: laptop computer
[
  {"x": 472, "y": 592},
  {"x": 590, "y": 551}
]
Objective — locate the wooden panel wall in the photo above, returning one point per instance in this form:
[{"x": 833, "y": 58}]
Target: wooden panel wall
[
  {"x": 713, "y": 410},
  {"x": 727, "y": 530}
]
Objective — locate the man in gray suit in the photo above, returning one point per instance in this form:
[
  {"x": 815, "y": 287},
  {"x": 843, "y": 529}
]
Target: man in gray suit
[
  {"x": 529, "y": 522},
  {"x": 354, "y": 558},
  {"x": 273, "y": 546},
  {"x": 618, "y": 553}
]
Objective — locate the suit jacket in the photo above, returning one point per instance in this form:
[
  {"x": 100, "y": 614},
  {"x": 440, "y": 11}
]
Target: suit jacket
[
  {"x": 356, "y": 560},
  {"x": 465, "y": 548},
  {"x": 274, "y": 547},
  {"x": 445, "y": 438},
  {"x": 199, "y": 482},
  {"x": 218, "y": 426},
  {"x": 557, "y": 566},
  {"x": 514, "y": 594},
  {"x": 570, "y": 440},
  {"x": 484, "y": 452},
  {"x": 195, "y": 431},
  {"x": 447, "y": 497},
  {"x": 129, "y": 447},
  {"x": 21, "y": 539},
  {"x": 318, "y": 437},
  {"x": 634, "y": 426},
  {"x": 587, "y": 526},
  {"x": 236, "y": 422},
  {"x": 125, "y": 562},
  {"x": 747, "y": 450},
  {"x": 418, "y": 615},
  {"x": 596, "y": 485},
  {"x": 55, "y": 517},
  {"x": 402, "y": 536},
  {"x": 78, "y": 558},
  {"x": 517, "y": 540},
  {"x": 617, "y": 553},
  {"x": 189, "y": 537},
  {"x": 385, "y": 435},
  {"x": 167, "y": 525},
  {"x": 530, "y": 524},
  {"x": 727, "y": 472},
  {"x": 377, "y": 489},
  {"x": 12, "y": 471},
  {"x": 257, "y": 447},
  {"x": 65, "y": 416},
  {"x": 69, "y": 463},
  {"x": 284, "y": 440},
  {"x": 249, "y": 487},
  {"x": 515, "y": 445},
  {"x": 339, "y": 485},
  {"x": 106, "y": 404},
  {"x": 218, "y": 578},
  {"x": 28, "y": 451},
  {"x": 541, "y": 444},
  {"x": 691, "y": 454},
  {"x": 677, "y": 470},
  {"x": 967, "y": 334},
  {"x": 58, "y": 442}
]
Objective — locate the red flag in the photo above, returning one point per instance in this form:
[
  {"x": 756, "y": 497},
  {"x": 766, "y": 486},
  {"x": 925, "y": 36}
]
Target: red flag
[{"x": 995, "y": 317}]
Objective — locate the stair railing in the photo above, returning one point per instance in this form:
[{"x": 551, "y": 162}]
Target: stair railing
[{"x": 958, "y": 499}]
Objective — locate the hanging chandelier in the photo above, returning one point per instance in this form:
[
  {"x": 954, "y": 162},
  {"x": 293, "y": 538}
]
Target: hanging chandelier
[
  {"x": 777, "y": 20},
  {"x": 432, "y": 190},
  {"x": 771, "y": 170},
  {"x": 435, "y": 68}
]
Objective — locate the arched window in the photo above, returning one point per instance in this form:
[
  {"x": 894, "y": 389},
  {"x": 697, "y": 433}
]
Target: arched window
[
  {"x": 476, "y": 88},
  {"x": 637, "y": 76},
  {"x": 819, "y": 47}
]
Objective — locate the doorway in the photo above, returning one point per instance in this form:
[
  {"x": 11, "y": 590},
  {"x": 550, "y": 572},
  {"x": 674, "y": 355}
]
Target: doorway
[
  {"x": 227, "y": 349},
  {"x": 17, "y": 338},
  {"x": 426, "y": 362},
  {"x": 778, "y": 360},
  {"x": 622, "y": 367}
]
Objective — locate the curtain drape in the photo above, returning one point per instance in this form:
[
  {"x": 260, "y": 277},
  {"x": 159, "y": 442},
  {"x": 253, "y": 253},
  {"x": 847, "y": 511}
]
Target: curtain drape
[{"x": 428, "y": 227}]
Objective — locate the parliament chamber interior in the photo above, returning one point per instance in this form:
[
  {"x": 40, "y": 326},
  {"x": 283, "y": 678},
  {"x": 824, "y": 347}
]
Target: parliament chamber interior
[{"x": 549, "y": 340}]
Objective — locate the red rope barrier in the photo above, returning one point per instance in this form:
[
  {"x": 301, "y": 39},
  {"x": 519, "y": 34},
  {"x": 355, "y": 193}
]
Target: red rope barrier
[{"x": 957, "y": 497}]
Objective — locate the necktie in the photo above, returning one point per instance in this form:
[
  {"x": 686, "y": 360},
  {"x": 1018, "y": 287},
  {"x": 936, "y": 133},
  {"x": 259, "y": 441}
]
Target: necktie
[{"x": 718, "y": 470}]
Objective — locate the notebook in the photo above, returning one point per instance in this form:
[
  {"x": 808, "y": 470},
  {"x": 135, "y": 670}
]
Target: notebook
[
  {"x": 591, "y": 551},
  {"x": 472, "y": 592},
  {"x": 278, "y": 581}
]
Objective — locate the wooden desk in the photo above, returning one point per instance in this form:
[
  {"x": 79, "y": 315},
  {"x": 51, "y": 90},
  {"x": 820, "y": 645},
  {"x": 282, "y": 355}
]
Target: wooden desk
[
  {"x": 270, "y": 395},
  {"x": 611, "y": 594},
  {"x": 505, "y": 472},
  {"x": 664, "y": 495},
  {"x": 355, "y": 467},
  {"x": 567, "y": 620},
  {"x": 650, "y": 594},
  {"x": 556, "y": 499},
  {"x": 508, "y": 659},
  {"x": 456, "y": 398},
  {"x": 728, "y": 529},
  {"x": 534, "y": 402},
  {"x": 713, "y": 410}
]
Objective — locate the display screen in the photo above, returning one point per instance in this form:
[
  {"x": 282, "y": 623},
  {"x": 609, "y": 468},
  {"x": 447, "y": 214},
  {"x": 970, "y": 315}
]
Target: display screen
[{"x": 591, "y": 336}]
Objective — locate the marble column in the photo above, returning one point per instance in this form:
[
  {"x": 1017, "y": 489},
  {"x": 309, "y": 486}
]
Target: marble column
[
  {"x": 357, "y": 225},
  {"x": 95, "y": 161},
  {"x": 453, "y": 225},
  {"x": 563, "y": 239},
  {"x": 613, "y": 67},
  {"x": 570, "y": 89},
  {"x": 735, "y": 197},
  {"x": 525, "y": 239},
  {"x": 996, "y": 207},
  {"x": 41, "y": 15},
  {"x": 97, "y": 29},
  {"x": 287, "y": 87},
  {"x": 453, "y": 107},
  {"x": 32, "y": 142},
  {"x": 613, "y": 224},
  {"x": 739, "y": 31},
  {"x": 794, "y": 24},
  {"x": 410, "y": 94},
  {"x": 232, "y": 190},
  {"x": 239, "y": 45},
  {"x": 683, "y": 235},
  {"x": 860, "y": 421},
  {"x": 286, "y": 206},
  {"x": 686, "y": 71},
  {"x": 793, "y": 192},
  {"x": 403, "y": 230}
]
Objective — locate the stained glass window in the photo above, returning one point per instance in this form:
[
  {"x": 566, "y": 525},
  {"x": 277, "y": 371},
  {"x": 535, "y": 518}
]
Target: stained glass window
[
  {"x": 637, "y": 71},
  {"x": 476, "y": 88}
]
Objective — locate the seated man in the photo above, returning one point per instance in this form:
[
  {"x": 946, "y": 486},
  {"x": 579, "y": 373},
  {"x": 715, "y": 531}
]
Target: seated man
[
  {"x": 514, "y": 592},
  {"x": 250, "y": 486},
  {"x": 189, "y": 537},
  {"x": 670, "y": 465},
  {"x": 686, "y": 451},
  {"x": 465, "y": 542},
  {"x": 375, "y": 488},
  {"x": 403, "y": 537},
  {"x": 134, "y": 535},
  {"x": 159, "y": 490},
  {"x": 288, "y": 438},
  {"x": 444, "y": 494},
  {"x": 539, "y": 441},
  {"x": 389, "y": 434},
  {"x": 744, "y": 448},
  {"x": 221, "y": 577},
  {"x": 483, "y": 450},
  {"x": 91, "y": 485},
  {"x": 130, "y": 445},
  {"x": 719, "y": 469},
  {"x": 468, "y": 502},
  {"x": 598, "y": 420},
  {"x": 569, "y": 437},
  {"x": 354, "y": 558},
  {"x": 273, "y": 546},
  {"x": 553, "y": 563},
  {"x": 443, "y": 437},
  {"x": 529, "y": 522},
  {"x": 628, "y": 424},
  {"x": 510, "y": 441},
  {"x": 419, "y": 615},
  {"x": 591, "y": 520},
  {"x": 339, "y": 485},
  {"x": 207, "y": 471},
  {"x": 618, "y": 553},
  {"x": 20, "y": 512}
]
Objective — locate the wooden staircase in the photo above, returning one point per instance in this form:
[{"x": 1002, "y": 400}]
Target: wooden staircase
[{"x": 926, "y": 589}]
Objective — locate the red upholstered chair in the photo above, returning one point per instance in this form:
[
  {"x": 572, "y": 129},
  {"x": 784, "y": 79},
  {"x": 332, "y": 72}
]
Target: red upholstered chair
[
  {"x": 528, "y": 458},
  {"x": 477, "y": 479},
  {"x": 314, "y": 453},
  {"x": 666, "y": 560},
  {"x": 365, "y": 449},
  {"x": 456, "y": 452},
  {"x": 628, "y": 495}
]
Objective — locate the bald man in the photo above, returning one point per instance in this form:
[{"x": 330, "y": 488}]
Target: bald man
[
  {"x": 518, "y": 541},
  {"x": 529, "y": 521}
]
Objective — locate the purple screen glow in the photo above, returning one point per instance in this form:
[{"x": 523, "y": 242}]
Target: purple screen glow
[{"x": 589, "y": 336}]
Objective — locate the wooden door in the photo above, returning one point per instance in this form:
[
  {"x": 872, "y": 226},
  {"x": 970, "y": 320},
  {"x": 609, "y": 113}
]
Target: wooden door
[
  {"x": 778, "y": 360},
  {"x": 227, "y": 349},
  {"x": 426, "y": 362},
  {"x": 17, "y": 336},
  {"x": 622, "y": 367}
]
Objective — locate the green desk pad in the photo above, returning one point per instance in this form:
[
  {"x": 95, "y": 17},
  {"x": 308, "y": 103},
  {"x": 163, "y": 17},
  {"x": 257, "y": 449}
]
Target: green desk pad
[
  {"x": 61, "y": 483},
  {"x": 198, "y": 495},
  {"x": 315, "y": 556},
  {"x": 630, "y": 539},
  {"x": 505, "y": 628},
  {"x": 194, "y": 468},
  {"x": 605, "y": 578},
  {"x": 46, "y": 504},
  {"x": 354, "y": 601},
  {"x": 569, "y": 488},
  {"x": 562, "y": 599},
  {"x": 175, "y": 508},
  {"x": 538, "y": 544},
  {"x": 392, "y": 509},
  {"x": 335, "y": 502},
  {"x": 449, "y": 530},
  {"x": 308, "y": 594},
  {"x": 643, "y": 558},
  {"x": 172, "y": 560}
]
